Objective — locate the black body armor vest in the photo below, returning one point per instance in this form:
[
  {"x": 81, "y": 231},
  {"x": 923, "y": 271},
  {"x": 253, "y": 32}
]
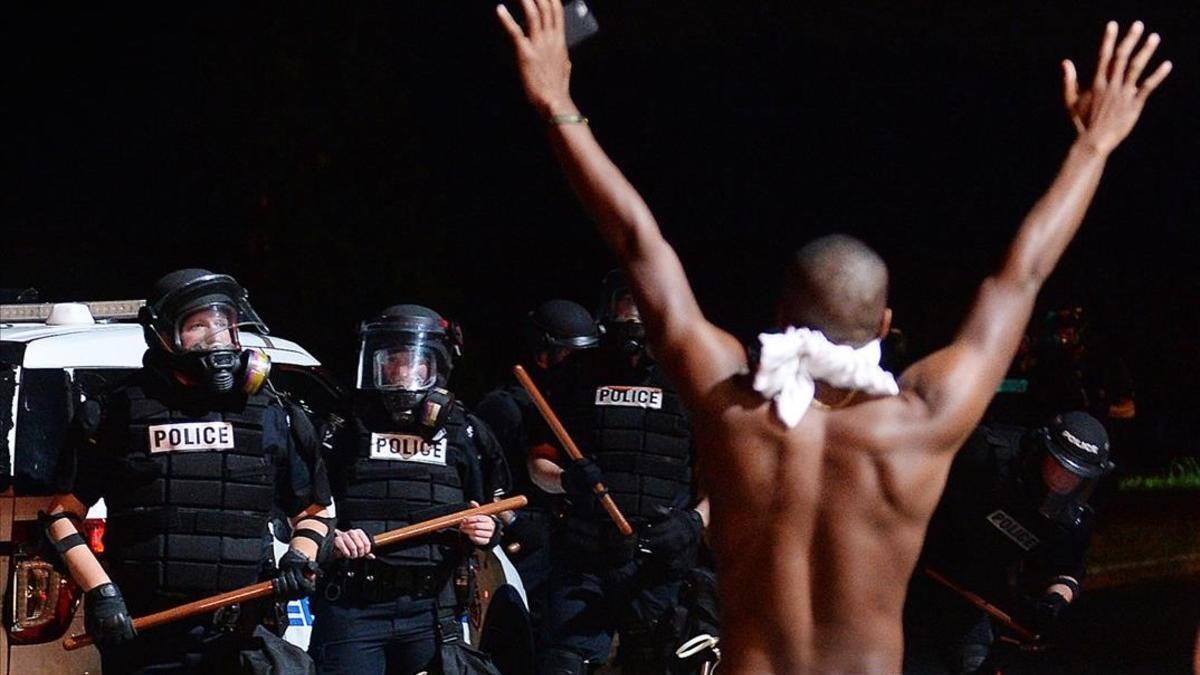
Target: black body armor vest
[
  {"x": 190, "y": 517},
  {"x": 639, "y": 435},
  {"x": 400, "y": 476}
]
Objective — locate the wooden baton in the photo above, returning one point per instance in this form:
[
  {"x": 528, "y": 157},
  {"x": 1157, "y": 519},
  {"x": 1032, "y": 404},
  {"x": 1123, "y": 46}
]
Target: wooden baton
[
  {"x": 988, "y": 608},
  {"x": 563, "y": 437},
  {"x": 265, "y": 588}
]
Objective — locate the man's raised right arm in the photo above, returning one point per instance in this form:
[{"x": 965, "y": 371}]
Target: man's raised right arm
[{"x": 957, "y": 383}]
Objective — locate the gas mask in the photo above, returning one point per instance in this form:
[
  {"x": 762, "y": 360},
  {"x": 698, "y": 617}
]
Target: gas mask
[
  {"x": 625, "y": 337},
  {"x": 622, "y": 332},
  {"x": 224, "y": 370},
  {"x": 206, "y": 347}
]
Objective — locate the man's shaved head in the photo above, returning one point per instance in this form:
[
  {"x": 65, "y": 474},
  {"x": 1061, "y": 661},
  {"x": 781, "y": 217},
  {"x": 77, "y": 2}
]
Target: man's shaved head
[{"x": 837, "y": 285}]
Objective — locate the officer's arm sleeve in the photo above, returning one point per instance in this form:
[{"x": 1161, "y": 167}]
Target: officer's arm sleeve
[
  {"x": 503, "y": 416},
  {"x": 304, "y": 480},
  {"x": 471, "y": 474},
  {"x": 86, "y": 470},
  {"x": 496, "y": 478},
  {"x": 303, "y": 487},
  {"x": 1065, "y": 558}
]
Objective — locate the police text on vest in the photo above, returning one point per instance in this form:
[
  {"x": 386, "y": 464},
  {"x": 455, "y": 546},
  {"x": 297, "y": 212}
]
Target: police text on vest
[
  {"x": 190, "y": 436},
  {"x": 405, "y": 448},
  {"x": 1013, "y": 530},
  {"x": 630, "y": 397}
]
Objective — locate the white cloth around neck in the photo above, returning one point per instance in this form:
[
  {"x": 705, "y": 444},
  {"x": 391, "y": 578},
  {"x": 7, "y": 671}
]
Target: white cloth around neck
[{"x": 791, "y": 362}]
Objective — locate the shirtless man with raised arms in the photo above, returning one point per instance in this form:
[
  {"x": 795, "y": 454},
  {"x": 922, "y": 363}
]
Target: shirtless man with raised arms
[{"x": 822, "y": 472}]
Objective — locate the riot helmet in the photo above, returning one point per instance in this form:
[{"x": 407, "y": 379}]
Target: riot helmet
[
  {"x": 405, "y": 353},
  {"x": 192, "y": 319},
  {"x": 560, "y": 325},
  {"x": 620, "y": 320},
  {"x": 1062, "y": 463}
]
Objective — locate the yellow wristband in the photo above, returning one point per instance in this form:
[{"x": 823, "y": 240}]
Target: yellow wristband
[{"x": 574, "y": 118}]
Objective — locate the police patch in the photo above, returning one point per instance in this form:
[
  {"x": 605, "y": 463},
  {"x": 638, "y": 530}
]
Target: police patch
[
  {"x": 630, "y": 397},
  {"x": 406, "y": 448},
  {"x": 190, "y": 436},
  {"x": 1013, "y": 530}
]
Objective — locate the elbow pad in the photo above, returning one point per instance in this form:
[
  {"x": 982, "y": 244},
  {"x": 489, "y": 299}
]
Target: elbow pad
[
  {"x": 324, "y": 542},
  {"x": 56, "y": 551}
]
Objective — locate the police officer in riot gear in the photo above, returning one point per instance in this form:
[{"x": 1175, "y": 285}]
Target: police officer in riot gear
[
  {"x": 556, "y": 333},
  {"x": 1012, "y": 527},
  {"x": 191, "y": 454},
  {"x": 634, "y": 433},
  {"x": 410, "y": 453}
]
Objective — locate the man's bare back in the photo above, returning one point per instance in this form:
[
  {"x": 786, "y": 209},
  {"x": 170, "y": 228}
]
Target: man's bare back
[
  {"x": 817, "y": 526},
  {"x": 817, "y": 529}
]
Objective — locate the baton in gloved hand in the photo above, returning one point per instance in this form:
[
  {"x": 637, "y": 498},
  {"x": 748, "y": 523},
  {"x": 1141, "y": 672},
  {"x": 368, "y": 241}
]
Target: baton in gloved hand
[
  {"x": 563, "y": 437},
  {"x": 266, "y": 588}
]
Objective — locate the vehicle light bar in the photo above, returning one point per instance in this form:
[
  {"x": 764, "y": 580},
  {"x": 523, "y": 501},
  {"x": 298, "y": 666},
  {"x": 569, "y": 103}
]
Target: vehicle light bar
[{"x": 100, "y": 309}]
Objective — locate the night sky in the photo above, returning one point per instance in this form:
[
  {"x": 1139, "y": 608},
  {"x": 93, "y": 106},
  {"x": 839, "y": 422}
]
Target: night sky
[{"x": 338, "y": 160}]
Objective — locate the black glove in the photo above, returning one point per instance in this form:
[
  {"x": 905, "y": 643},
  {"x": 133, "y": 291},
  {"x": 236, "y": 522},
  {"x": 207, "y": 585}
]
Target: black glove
[
  {"x": 106, "y": 618},
  {"x": 677, "y": 533},
  {"x": 1044, "y": 612},
  {"x": 579, "y": 476},
  {"x": 297, "y": 576}
]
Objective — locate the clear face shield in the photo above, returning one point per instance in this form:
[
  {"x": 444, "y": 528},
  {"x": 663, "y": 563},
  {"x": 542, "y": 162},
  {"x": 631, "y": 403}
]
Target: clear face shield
[
  {"x": 410, "y": 368},
  {"x": 403, "y": 374},
  {"x": 1066, "y": 493},
  {"x": 1059, "y": 492},
  {"x": 206, "y": 339},
  {"x": 209, "y": 328}
]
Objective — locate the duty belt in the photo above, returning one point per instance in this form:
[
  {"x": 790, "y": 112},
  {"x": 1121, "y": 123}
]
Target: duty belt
[
  {"x": 244, "y": 617},
  {"x": 376, "y": 581}
]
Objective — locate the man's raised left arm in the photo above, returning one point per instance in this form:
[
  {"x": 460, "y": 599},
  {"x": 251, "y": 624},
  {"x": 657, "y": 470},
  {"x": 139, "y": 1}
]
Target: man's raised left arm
[{"x": 697, "y": 353}]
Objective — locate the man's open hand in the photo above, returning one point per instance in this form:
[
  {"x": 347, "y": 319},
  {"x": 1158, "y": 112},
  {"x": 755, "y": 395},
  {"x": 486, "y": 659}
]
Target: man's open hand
[
  {"x": 1105, "y": 114},
  {"x": 542, "y": 55}
]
